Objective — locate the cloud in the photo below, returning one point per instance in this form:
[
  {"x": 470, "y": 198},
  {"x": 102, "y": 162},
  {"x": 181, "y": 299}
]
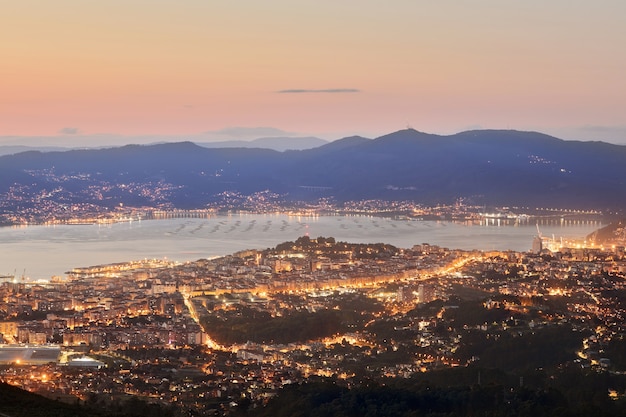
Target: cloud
[
  {"x": 328, "y": 90},
  {"x": 69, "y": 131}
]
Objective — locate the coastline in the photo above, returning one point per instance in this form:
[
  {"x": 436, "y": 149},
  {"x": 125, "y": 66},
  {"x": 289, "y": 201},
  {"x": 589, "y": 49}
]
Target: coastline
[
  {"x": 46, "y": 251},
  {"x": 430, "y": 214}
]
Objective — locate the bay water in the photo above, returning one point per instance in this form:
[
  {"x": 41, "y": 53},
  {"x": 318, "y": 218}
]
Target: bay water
[{"x": 39, "y": 252}]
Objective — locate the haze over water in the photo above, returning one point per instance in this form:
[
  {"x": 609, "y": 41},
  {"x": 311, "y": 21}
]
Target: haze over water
[{"x": 44, "y": 251}]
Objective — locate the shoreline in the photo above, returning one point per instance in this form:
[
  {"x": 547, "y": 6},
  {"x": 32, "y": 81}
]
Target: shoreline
[
  {"x": 48, "y": 251},
  {"x": 139, "y": 216}
]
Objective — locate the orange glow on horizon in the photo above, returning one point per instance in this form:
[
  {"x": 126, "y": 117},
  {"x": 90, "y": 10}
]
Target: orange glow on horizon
[{"x": 142, "y": 68}]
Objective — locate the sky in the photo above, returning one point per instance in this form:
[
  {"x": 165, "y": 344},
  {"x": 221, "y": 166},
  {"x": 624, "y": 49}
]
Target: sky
[{"x": 91, "y": 72}]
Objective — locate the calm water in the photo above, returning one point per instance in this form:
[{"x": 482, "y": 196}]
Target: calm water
[{"x": 44, "y": 251}]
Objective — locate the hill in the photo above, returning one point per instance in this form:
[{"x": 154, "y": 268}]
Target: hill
[
  {"x": 15, "y": 402},
  {"x": 490, "y": 167},
  {"x": 275, "y": 143},
  {"x": 612, "y": 234},
  {"x": 10, "y": 150}
]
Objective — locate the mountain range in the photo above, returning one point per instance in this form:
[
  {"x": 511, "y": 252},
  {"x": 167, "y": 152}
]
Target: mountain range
[
  {"x": 490, "y": 167},
  {"x": 282, "y": 143}
]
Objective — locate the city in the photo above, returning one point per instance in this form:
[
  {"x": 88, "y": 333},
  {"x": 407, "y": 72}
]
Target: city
[
  {"x": 25, "y": 204},
  {"x": 312, "y": 209},
  {"x": 227, "y": 334}
]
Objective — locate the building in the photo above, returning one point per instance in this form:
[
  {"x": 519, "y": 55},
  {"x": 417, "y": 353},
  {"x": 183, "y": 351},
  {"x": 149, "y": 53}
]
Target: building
[
  {"x": 537, "y": 245},
  {"x": 8, "y": 329}
]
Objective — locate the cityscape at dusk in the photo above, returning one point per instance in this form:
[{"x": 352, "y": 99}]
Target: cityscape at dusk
[{"x": 307, "y": 209}]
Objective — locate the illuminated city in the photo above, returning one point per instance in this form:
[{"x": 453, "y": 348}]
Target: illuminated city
[
  {"x": 116, "y": 330},
  {"x": 312, "y": 209}
]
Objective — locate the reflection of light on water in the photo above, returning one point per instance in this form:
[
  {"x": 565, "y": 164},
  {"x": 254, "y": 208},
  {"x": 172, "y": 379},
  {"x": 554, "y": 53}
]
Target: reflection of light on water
[
  {"x": 531, "y": 222},
  {"x": 62, "y": 248}
]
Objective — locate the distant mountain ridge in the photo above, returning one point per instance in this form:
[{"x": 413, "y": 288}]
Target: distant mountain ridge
[
  {"x": 492, "y": 167},
  {"x": 280, "y": 144},
  {"x": 13, "y": 149}
]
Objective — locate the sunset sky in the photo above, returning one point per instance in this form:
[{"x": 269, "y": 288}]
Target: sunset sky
[{"x": 89, "y": 70}]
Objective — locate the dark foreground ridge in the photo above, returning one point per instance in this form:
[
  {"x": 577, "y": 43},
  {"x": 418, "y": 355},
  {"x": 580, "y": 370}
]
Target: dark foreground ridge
[
  {"x": 15, "y": 402},
  {"x": 452, "y": 392},
  {"x": 456, "y": 392}
]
